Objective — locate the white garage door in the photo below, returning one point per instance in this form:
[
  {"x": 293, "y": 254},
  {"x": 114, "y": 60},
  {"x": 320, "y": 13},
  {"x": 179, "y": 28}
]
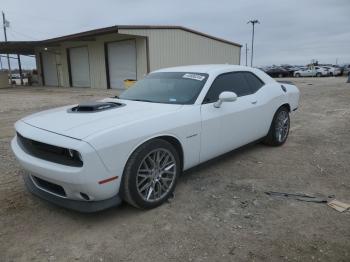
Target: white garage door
[
  {"x": 79, "y": 66},
  {"x": 49, "y": 69},
  {"x": 121, "y": 62}
]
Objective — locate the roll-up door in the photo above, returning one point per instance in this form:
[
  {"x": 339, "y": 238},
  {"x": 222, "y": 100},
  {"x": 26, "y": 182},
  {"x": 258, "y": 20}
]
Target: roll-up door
[
  {"x": 79, "y": 66},
  {"x": 49, "y": 69},
  {"x": 121, "y": 62}
]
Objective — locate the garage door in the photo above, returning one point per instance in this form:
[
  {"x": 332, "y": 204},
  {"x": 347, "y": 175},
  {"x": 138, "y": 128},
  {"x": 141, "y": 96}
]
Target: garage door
[
  {"x": 49, "y": 69},
  {"x": 79, "y": 66},
  {"x": 121, "y": 62}
]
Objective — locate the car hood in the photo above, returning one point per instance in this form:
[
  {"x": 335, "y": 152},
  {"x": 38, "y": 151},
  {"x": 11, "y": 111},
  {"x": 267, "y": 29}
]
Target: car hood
[{"x": 81, "y": 125}]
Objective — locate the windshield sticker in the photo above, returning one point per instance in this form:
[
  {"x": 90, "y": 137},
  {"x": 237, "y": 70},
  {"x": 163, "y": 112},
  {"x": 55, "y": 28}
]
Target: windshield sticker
[
  {"x": 194, "y": 77},
  {"x": 172, "y": 99}
]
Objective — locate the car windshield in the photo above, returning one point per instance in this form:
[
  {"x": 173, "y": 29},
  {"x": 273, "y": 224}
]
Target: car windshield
[{"x": 167, "y": 87}]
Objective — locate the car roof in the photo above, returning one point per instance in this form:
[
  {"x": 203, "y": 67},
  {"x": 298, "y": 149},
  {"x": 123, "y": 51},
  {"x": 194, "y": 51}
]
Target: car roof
[
  {"x": 214, "y": 70},
  {"x": 210, "y": 68}
]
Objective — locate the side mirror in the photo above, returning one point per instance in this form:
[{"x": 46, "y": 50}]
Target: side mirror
[{"x": 225, "y": 97}]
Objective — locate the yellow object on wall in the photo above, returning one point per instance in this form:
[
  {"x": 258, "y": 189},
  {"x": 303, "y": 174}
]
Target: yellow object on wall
[{"x": 128, "y": 83}]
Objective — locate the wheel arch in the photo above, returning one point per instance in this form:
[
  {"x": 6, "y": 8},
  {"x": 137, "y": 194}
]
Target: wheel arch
[
  {"x": 173, "y": 140},
  {"x": 285, "y": 105}
]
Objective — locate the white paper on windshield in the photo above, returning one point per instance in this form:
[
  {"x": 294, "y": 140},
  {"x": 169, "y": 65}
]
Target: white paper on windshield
[{"x": 194, "y": 77}]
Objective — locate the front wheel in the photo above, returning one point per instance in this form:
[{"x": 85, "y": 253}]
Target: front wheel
[
  {"x": 150, "y": 174},
  {"x": 279, "y": 128},
  {"x": 297, "y": 75}
]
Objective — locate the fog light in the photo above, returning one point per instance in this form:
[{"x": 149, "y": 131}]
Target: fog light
[{"x": 85, "y": 196}]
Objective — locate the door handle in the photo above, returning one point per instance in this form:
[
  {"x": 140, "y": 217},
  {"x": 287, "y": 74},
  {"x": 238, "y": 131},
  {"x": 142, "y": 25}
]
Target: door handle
[{"x": 254, "y": 102}]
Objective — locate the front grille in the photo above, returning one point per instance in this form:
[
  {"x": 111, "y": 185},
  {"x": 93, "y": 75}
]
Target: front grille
[
  {"x": 50, "y": 153},
  {"x": 51, "y": 187}
]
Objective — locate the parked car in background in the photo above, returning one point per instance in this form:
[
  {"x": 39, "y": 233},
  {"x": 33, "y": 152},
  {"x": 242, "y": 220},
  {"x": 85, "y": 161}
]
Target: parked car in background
[
  {"x": 277, "y": 72},
  {"x": 16, "y": 79},
  {"x": 312, "y": 71},
  {"x": 346, "y": 70},
  {"x": 332, "y": 70},
  {"x": 134, "y": 147},
  {"x": 290, "y": 69}
]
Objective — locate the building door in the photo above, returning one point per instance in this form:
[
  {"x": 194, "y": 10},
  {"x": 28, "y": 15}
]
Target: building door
[
  {"x": 121, "y": 62},
  {"x": 49, "y": 70},
  {"x": 79, "y": 67}
]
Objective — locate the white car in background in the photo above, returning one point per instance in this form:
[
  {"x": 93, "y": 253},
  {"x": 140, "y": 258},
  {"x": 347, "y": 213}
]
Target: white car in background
[
  {"x": 91, "y": 156},
  {"x": 313, "y": 71},
  {"x": 332, "y": 71}
]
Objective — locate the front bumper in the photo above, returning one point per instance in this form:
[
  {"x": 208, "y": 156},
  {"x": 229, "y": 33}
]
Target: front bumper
[
  {"x": 79, "y": 184},
  {"x": 81, "y": 206}
]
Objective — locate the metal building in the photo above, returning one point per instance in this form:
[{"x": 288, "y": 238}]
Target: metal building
[{"x": 104, "y": 58}]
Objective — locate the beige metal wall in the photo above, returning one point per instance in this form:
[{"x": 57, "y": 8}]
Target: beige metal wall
[
  {"x": 98, "y": 75},
  {"x": 166, "y": 48},
  {"x": 173, "y": 47}
]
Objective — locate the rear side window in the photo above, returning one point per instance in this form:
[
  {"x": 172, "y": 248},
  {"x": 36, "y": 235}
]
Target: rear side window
[
  {"x": 254, "y": 82},
  {"x": 233, "y": 82}
]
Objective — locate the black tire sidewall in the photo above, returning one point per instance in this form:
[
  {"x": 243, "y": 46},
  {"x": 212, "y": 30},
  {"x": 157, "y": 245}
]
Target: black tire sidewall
[
  {"x": 130, "y": 172},
  {"x": 274, "y": 123}
]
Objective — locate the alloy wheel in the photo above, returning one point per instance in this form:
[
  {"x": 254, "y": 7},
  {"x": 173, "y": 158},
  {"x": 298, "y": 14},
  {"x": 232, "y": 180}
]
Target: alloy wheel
[
  {"x": 156, "y": 175},
  {"x": 282, "y": 126}
]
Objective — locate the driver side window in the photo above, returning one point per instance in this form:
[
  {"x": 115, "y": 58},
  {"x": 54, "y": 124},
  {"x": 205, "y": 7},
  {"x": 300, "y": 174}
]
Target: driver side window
[{"x": 233, "y": 82}]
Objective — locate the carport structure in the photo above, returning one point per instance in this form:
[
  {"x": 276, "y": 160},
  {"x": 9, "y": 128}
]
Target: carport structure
[
  {"x": 105, "y": 57},
  {"x": 19, "y": 48}
]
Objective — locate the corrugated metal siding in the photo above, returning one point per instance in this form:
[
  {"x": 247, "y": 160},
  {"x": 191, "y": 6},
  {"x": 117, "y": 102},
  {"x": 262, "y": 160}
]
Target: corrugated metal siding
[
  {"x": 173, "y": 47},
  {"x": 166, "y": 47},
  {"x": 141, "y": 51},
  {"x": 98, "y": 75}
]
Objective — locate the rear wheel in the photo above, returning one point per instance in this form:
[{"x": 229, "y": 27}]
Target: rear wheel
[
  {"x": 297, "y": 75},
  {"x": 318, "y": 74},
  {"x": 150, "y": 174},
  {"x": 279, "y": 128}
]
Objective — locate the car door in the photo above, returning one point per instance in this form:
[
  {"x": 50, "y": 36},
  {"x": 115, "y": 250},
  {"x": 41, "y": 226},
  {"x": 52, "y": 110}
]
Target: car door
[
  {"x": 307, "y": 72},
  {"x": 233, "y": 124}
]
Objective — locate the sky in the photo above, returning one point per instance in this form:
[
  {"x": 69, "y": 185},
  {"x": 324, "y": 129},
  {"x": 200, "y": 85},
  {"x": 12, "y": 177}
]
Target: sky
[{"x": 290, "y": 31}]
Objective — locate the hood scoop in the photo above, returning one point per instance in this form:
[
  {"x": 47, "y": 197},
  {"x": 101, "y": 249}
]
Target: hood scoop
[{"x": 94, "y": 107}]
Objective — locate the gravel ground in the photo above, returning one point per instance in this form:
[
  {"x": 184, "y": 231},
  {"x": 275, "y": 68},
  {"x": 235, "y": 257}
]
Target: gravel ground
[{"x": 220, "y": 211}]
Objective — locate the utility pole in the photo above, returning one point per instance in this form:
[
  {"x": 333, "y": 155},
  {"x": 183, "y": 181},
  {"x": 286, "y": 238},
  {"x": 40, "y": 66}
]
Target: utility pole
[
  {"x": 20, "y": 68},
  {"x": 5, "y": 25},
  {"x": 253, "y": 22},
  {"x": 246, "y": 54}
]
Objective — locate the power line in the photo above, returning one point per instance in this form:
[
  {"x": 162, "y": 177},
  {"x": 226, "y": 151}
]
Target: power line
[{"x": 21, "y": 34}]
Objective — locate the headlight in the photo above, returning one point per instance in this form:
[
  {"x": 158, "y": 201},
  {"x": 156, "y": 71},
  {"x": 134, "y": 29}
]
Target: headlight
[{"x": 75, "y": 155}]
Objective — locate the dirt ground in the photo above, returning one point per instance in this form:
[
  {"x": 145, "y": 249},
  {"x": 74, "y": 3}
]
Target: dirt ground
[{"x": 220, "y": 211}]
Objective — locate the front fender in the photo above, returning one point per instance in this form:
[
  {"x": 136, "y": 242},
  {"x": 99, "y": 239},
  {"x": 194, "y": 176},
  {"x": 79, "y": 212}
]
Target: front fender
[{"x": 115, "y": 146}]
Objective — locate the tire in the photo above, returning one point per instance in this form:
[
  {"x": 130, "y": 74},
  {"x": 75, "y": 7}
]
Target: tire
[
  {"x": 318, "y": 74},
  {"x": 273, "y": 138},
  {"x": 141, "y": 174},
  {"x": 297, "y": 75},
  {"x": 280, "y": 76}
]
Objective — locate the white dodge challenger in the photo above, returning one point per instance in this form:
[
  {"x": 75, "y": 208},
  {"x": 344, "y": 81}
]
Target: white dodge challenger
[{"x": 91, "y": 156}]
